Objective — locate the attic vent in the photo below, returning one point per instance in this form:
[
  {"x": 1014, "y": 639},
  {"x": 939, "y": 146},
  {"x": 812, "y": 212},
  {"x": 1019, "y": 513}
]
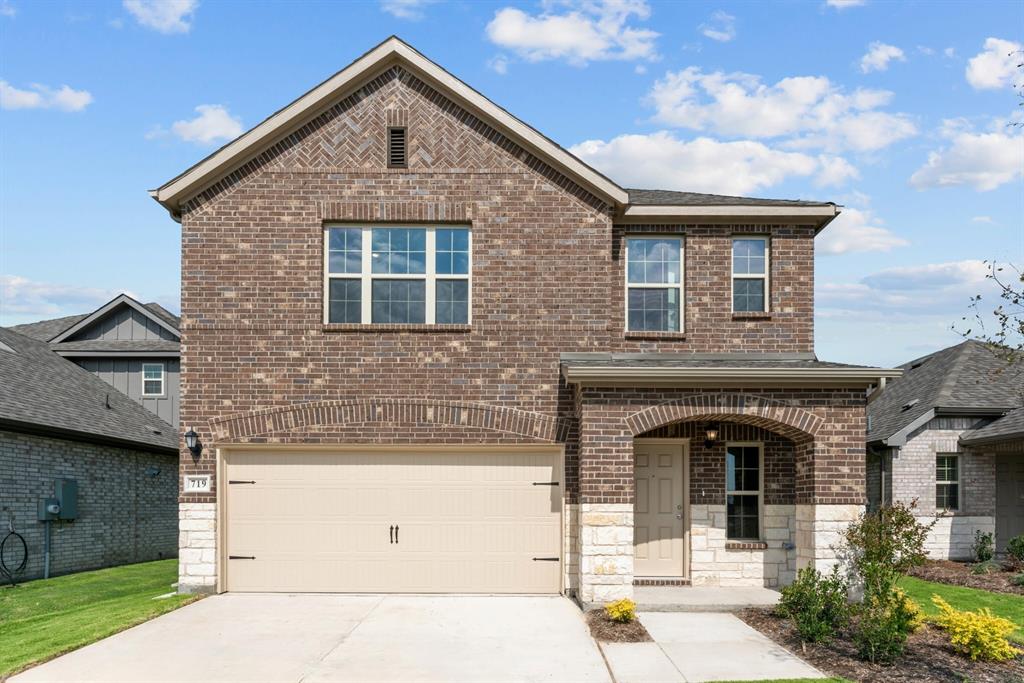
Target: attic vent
[
  {"x": 918, "y": 364},
  {"x": 910, "y": 404},
  {"x": 397, "y": 148}
]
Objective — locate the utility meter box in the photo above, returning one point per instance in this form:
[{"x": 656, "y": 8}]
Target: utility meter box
[
  {"x": 49, "y": 509},
  {"x": 66, "y": 493}
]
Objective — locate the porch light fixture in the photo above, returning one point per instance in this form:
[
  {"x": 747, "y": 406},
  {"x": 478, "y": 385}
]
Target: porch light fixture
[
  {"x": 192, "y": 441},
  {"x": 710, "y": 436}
]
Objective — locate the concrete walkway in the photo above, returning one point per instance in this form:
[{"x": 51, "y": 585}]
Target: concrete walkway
[
  {"x": 701, "y": 598},
  {"x": 319, "y": 638},
  {"x": 701, "y": 647}
]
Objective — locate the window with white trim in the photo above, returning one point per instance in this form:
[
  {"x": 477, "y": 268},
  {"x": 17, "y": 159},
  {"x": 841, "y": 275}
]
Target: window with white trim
[
  {"x": 749, "y": 274},
  {"x": 654, "y": 283},
  {"x": 947, "y": 481},
  {"x": 743, "y": 466},
  {"x": 152, "y": 379},
  {"x": 397, "y": 274}
]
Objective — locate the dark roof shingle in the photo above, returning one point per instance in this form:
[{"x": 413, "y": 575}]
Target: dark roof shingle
[{"x": 673, "y": 198}]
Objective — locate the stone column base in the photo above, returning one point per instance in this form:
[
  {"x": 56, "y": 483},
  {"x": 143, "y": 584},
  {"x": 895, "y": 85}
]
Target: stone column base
[
  {"x": 819, "y": 532},
  {"x": 197, "y": 547},
  {"x": 606, "y": 552}
]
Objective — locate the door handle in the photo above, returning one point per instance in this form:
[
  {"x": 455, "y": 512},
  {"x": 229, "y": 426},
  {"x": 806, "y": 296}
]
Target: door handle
[
  {"x": 391, "y": 534},
  {"x": 396, "y": 533}
]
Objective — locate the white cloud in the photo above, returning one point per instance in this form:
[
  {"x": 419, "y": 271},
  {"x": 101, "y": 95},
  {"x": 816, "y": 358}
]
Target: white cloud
[
  {"x": 925, "y": 289},
  {"x": 590, "y": 30},
  {"x": 41, "y": 97},
  {"x": 835, "y": 171},
  {"x": 499, "y": 64},
  {"x": 411, "y": 10},
  {"x": 809, "y": 110},
  {"x": 844, "y": 4},
  {"x": 7, "y": 9},
  {"x": 879, "y": 55},
  {"x": 164, "y": 16},
  {"x": 721, "y": 27},
  {"x": 982, "y": 160},
  {"x": 213, "y": 124},
  {"x": 983, "y": 219},
  {"x": 949, "y": 52},
  {"x": 857, "y": 230},
  {"x": 30, "y": 300},
  {"x": 996, "y": 66},
  {"x": 702, "y": 165}
]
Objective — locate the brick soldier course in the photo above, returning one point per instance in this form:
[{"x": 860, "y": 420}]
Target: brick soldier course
[{"x": 260, "y": 365}]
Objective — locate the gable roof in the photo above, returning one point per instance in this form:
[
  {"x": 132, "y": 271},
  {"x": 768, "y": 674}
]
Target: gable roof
[
  {"x": 392, "y": 51},
  {"x": 968, "y": 379},
  {"x": 45, "y": 330},
  {"x": 160, "y": 319},
  {"x": 41, "y": 392},
  {"x": 1005, "y": 428}
]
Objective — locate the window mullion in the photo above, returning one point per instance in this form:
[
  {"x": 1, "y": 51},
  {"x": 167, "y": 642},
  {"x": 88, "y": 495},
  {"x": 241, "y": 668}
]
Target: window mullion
[
  {"x": 431, "y": 306},
  {"x": 366, "y": 278}
]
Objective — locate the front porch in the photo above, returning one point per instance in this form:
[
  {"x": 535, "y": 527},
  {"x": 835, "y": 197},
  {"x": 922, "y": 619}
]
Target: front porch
[{"x": 702, "y": 598}]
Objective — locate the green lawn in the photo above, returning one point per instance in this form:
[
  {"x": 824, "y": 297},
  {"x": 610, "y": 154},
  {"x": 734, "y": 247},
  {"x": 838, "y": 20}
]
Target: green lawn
[
  {"x": 42, "y": 619},
  {"x": 1002, "y": 604}
]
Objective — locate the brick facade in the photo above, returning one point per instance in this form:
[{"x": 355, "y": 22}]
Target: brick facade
[
  {"x": 259, "y": 364},
  {"x": 125, "y": 514}
]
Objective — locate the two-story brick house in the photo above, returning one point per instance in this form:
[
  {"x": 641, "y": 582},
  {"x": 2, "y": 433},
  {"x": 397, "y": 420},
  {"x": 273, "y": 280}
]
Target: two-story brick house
[{"x": 426, "y": 349}]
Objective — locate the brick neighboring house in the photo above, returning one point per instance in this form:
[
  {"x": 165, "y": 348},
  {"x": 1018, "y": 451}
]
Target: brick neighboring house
[
  {"x": 416, "y": 361},
  {"x": 950, "y": 434},
  {"x": 58, "y": 421}
]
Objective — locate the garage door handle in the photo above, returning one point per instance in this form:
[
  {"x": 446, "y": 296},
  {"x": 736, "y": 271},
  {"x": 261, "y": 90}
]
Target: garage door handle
[
  {"x": 240, "y": 481},
  {"x": 396, "y": 533},
  {"x": 241, "y": 557},
  {"x": 545, "y": 559},
  {"x": 545, "y": 483},
  {"x": 391, "y": 534}
]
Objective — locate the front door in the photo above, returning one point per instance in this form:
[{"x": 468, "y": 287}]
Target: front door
[
  {"x": 659, "y": 512},
  {"x": 1009, "y": 498}
]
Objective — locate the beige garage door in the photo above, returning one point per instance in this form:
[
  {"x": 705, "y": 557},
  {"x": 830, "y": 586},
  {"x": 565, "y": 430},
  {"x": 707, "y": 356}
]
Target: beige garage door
[{"x": 451, "y": 522}]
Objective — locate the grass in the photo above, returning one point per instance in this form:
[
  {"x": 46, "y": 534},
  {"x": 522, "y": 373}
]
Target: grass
[
  {"x": 1001, "y": 604},
  {"x": 42, "y": 619}
]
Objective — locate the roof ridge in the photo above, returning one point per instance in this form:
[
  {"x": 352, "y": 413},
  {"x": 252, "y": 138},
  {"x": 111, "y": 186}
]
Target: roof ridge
[{"x": 951, "y": 378}]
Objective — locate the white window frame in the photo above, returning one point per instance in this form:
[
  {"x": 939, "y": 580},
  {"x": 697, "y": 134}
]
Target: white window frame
[
  {"x": 366, "y": 276},
  {"x": 766, "y": 276},
  {"x": 634, "y": 285},
  {"x": 759, "y": 493},
  {"x": 959, "y": 488},
  {"x": 163, "y": 380}
]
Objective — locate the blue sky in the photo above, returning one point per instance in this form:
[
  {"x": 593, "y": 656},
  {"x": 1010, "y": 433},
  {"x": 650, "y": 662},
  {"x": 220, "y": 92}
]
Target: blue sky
[{"x": 898, "y": 111}]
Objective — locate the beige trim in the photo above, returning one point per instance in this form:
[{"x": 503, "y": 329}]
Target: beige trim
[
  {"x": 732, "y": 211},
  {"x": 732, "y": 376},
  {"x": 220, "y": 535},
  {"x": 391, "y": 51}
]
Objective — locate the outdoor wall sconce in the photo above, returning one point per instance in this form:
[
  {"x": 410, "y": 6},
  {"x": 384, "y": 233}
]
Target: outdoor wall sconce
[
  {"x": 710, "y": 436},
  {"x": 192, "y": 441}
]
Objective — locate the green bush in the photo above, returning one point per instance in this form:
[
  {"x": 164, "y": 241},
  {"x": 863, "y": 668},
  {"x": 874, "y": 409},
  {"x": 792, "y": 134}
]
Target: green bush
[
  {"x": 1015, "y": 548},
  {"x": 1018, "y": 580},
  {"x": 979, "y": 635},
  {"x": 883, "y": 624},
  {"x": 986, "y": 567},
  {"x": 882, "y": 546},
  {"x": 817, "y": 604},
  {"x": 984, "y": 546}
]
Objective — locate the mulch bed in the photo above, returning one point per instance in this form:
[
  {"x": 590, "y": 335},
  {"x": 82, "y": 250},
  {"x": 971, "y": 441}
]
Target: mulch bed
[
  {"x": 959, "y": 574},
  {"x": 928, "y": 657},
  {"x": 604, "y": 629}
]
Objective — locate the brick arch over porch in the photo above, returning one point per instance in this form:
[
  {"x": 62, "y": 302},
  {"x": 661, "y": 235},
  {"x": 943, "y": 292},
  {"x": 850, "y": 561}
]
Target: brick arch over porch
[
  {"x": 366, "y": 414},
  {"x": 795, "y": 423}
]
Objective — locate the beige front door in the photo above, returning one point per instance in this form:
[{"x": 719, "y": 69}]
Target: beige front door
[
  {"x": 394, "y": 521},
  {"x": 660, "y": 519}
]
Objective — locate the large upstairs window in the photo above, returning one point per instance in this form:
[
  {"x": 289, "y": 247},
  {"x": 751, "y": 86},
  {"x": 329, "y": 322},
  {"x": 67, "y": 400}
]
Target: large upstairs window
[
  {"x": 654, "y": 283},
  {"x": 397, "y": 275}
]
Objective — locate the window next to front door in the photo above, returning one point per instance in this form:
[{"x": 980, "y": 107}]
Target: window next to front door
[
  {"x": 654, "y": 283},
  {"x": 743, "y": 465},
  {"x": 405, "y": 275}
]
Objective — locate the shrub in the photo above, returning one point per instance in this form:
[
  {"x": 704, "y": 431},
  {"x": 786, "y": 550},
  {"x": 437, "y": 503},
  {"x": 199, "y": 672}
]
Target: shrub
[
  {"x": 622, "y": 611},
  {"x": 1015, "y": 548},
  {"x": 882, "y": 546},
  {"x": 984, "y": 547},
  {"x": 1018, "y": 580},
  {"x": 883, "y": 626},
  {"x": 817, "y": 604},
  {"x": 979, "y": 635},
  {"x": 987, "y": 567}
]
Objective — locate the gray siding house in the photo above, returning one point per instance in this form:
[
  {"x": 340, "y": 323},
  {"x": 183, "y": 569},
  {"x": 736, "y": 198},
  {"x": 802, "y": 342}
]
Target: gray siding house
[
  {"x": 950, "y": 434},
  {"x": 131, "y": 346},
  {"x": 60, "y": 422}
]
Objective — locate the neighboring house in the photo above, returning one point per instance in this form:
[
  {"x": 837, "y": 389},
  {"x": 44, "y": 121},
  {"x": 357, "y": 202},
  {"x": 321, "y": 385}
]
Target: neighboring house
[
  {"x": 950, "y": 434},
  {"x": 417, "y": 360},
  {"x": 58, "y": 421},
  {"x": 133, "y": 347}
]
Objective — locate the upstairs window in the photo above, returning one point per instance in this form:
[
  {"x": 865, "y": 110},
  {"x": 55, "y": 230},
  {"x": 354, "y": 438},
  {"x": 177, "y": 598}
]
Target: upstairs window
[
  {"x": 947, "y": 482},
  {"x": 404, "y": 275},
  {"x": 749, "y": 274},
  {"x": 152, "y": 379},
  {"x": 654, "y": 283},
  {"x": 743, "y": 491}
]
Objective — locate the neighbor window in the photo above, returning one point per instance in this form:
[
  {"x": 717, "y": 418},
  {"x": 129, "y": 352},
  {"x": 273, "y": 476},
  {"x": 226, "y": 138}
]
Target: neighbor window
[
  {"x": 743, "y": 491},
  {"x": 749, "y": 274},
  {"x": 404, "y": 275},
  {"x": 947, "y": 482},
  {"x": 654, "y": 289},
  {"x": 152, "y": 379}
]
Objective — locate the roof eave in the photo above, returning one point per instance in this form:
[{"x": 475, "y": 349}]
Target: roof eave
[
  {"x": 38, "y": 429},
  {"x": 819, "y": 216},
  {"x": 989, "y": 440}
]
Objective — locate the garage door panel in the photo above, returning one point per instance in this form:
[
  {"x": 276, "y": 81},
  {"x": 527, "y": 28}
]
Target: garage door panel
[{"x": 319, "y": 521}]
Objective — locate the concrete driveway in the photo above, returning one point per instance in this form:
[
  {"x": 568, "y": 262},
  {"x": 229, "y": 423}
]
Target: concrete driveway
[{"x": 316, "y": 638}]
